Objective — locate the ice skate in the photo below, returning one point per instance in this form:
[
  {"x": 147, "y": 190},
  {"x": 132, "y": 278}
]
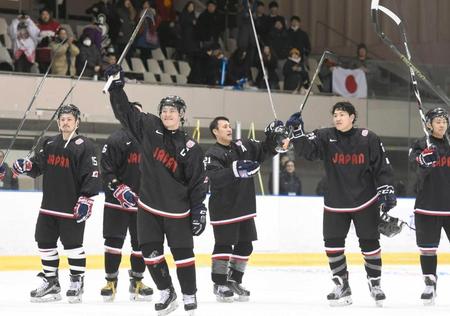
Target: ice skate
[
  {"x": 167, "y": 302},
  {"x": 75, "y": 292},
  {"x": 223, "y": 293},
  {"x": 190, "y": 304},
  {"x": 376, "y": 292},
  {"x": 429, "y": 294},
  {"x": 108, "y": 292},
  {"x": 48, "y": 291},
  {"x": 238, "y": 289},
  {"x": 138, "y": 290},
  {"x": 341, "y": 294}
]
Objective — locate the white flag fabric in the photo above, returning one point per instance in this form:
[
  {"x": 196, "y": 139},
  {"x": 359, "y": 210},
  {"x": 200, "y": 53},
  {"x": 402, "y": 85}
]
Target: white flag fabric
[{"x": 349, "y": 83}]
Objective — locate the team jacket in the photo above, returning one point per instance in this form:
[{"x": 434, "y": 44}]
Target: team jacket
[
  {"x": 68, "y": 173},
  {"x": 233, "y": 199},
  {"x": 120, "y": 160},
  {"x": 355, "y": 165},
  {"x": 173, "y": 176},
  {"x": 433, "y": 183}
]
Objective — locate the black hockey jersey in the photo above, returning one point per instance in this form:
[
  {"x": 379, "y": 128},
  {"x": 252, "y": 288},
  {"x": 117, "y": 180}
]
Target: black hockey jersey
[
  {"x": 173, "y": 177},
  {"x": 433, "y": 183},
  {"x": 120, "y": 160},
  {"x": 68, "y": 173},
  {"x": 233, "y": 199},
  {"x": 355, "y": 164}
]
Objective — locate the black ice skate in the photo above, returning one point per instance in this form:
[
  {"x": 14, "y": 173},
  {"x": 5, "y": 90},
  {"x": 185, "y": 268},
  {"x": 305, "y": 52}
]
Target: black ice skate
[
  {"x": 376, "y": 292},
  {"x": 48, "y": 291},
  {"x": 223, "y": 293},
  {"x": 109, "y": 290},
  {"x": 138, "y": 290},
  {"x": 342, "y": 294},
  {"x": 238, "y": 289},
  {"x": 75, "y": 292},
  {"x": 429, "y": 294},
  {"x": 190, "y": 303},
  {"x": 167, "y": 302}
]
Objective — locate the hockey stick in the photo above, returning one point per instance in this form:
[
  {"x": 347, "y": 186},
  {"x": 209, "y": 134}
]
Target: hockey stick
[
  {"x": 36, "y": 143},
  {"x": 33, "y": 98},
  {"x": 127, "y": 47},
  {"x": 266, "y": 79}
]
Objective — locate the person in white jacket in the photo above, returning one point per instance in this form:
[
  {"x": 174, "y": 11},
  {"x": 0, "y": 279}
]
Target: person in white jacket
[{"x": 24, "y": 34}]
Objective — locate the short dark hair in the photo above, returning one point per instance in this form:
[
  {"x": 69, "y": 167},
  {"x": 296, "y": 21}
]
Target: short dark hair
[
  {"x": 215, "y": 123},
  {"x": 295, "y": 17},
  {"x": 346, "y": 107},
  {"x": 260, "y": 4},
  {"x": 273, "y": 4}
]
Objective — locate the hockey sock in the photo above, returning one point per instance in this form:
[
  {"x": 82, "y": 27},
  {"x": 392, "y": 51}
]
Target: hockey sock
[
  {"x": 219, "y": 263},
  {"x": 49, "y": 259},
  {"x": 371, "y": 251},
  {"x": 185, "y": 262},
  {"x": 239, "y": 259},
  {"x": 156, "y": 263},
  {"x": 76, "y": 258},
  {"x": 136, "y": 259},
  {"x": 335, "y": 248},
  {"x": 428, "y": 260},
  {"x": 113, "y": 256}
]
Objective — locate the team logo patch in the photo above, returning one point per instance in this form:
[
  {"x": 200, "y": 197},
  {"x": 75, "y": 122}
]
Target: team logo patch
[
  {"x": 364, "y": 132},
  {"x": 79, "y": 141},
  {"x": 94, "y": 174},
  {"x": 190, "y": 144}
]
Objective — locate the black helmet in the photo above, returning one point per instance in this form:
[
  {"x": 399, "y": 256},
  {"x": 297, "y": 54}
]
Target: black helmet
[
  {"x": 436, "y": 112},
  {"x": 174, "y": 101},
  {"x": 69, "y": 109}
]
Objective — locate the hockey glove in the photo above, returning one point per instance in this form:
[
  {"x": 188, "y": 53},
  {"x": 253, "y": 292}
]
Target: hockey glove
[
  {"x": 386, "y": 197},
  {"x": 428, "y": 157},
  {"x": 118, "y": 76},
  {"x": 295, "y": 125},
  {"x": 125, "y": 196},
  {"x": 270, "y": 129},
  {"x": 198, "y": 219},
  {"x": 2, "y": 172},
  {"x": 278, "y": 135},
  {"x": 22, "y": 166},
  {"x": 83, "y": 209},
  {"x": 389, "y": 226},
  {"x": 245, "y": 168}
]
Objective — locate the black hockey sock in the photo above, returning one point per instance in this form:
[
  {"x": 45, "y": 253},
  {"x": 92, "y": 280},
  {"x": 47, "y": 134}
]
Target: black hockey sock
[
  {"x": 136, "y": 259},
  {"x": 157, "y": 266},
  {"x": 113, "y": 255},
  {"x": 185, "y": 262},
  {"x": 371, "y": 251},
  {"x": 238, "y": 260},
  {"x": 49, "y": 259},
  {"x": 76, "y": 258},
  {"x": 219, "y": 263},
  {"x": 334, "y": 249},
  {"x": 428, "y": 262}
]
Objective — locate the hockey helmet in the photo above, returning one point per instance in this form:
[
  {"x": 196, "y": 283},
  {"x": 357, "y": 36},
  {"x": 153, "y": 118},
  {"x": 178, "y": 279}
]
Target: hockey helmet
[
  {"x": 436, "y": 112},
  {"x": 174, "y": 101},
  {"x": 69, "y": 109}
]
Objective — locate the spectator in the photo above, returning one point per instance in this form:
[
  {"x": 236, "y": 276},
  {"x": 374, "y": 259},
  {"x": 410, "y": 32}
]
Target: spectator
[
  {"x": 298, "y": 38},
  {"x": 24, "y": 35},
  {"x": 290, "y": 183},
  {"x": 282, "y": 162},
  {"x": 262, "y": 23},
  {"x": 65, "y": 56},
  {"x": 245, "y": 37},
  {"x": 209, "y": 25},
  {"x": 48, "y": 29},
  {"x": 206, "y": 66},
  {"x": 238, "y": 68},
  {"x": 167, "y": 33},
  {"x": 94, "y": 32},
  {"x": 295, "y": 73},
  {"x": 274, "y": 16},
  {"x": 127, "y": 15},
  {"x": 362, "y": 61},
  {"x": 279, "y": 40},
  {"x": 91, "y": 54},
  {"x": 8, "y": 181},
  {"x": 109, "y": 59},
  {"x": 270, "y": 64},
  {"x": 189, "y": 44},
  {"x": 105, "y": 13},
  {"x": 147, "y": 38}
]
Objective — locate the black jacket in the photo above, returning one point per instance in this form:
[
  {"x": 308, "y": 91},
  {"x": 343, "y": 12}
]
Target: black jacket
[{"x": 290, "y": 184}]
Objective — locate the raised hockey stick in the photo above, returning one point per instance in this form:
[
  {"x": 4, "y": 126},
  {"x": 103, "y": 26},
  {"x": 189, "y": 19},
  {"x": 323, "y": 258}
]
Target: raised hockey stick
[
  {"x": 36, "y": 143},
  {"x": 33, "y": 98},
  {"x": 127, "y": 47}
]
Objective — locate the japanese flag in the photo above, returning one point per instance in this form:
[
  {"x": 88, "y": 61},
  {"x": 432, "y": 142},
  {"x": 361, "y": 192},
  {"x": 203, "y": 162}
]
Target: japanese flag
[{"x": 349, "y": 82}]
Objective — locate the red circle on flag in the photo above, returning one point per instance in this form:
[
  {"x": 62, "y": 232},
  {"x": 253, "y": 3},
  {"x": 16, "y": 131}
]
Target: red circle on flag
[{"x": 350, "y": 84}]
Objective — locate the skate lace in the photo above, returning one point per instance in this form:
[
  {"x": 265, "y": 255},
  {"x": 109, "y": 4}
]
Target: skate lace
[
  {"x": 223, "y": 289},
  {"x": 429, "y": 289},
  {"x": 75, "y": 285},
  {"x": 164, "y": 296},
  {"x": 376, "y": 290},
  {"x": 338, "y": 290},
  {"x": 41, "y": 288},
  {"x": 189, "y": 299}
]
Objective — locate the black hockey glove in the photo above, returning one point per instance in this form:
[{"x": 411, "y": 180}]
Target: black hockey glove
[
  {"x": 278, "y": 135},
  {"x": 245, "y": 168},
  {"x": 386, "y": 197},
  {"x": 428, "y": 157},
  {"x": 198, "y": 219},
  {"x": 296, "y": 125},
  {"x": 118, "y": 76},
  {"x": 272, "y": 127}
]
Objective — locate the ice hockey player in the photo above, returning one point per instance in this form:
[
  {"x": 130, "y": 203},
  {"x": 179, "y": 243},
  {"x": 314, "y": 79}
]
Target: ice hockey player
[
  {"x": 172, "y": 191},
  {"x": 70, "y": 180},
  {"x": 230, "y": 167},
  {"x": 432, "y": 207},
  {"x": 121, "y": 176},
  {"x": 359, "y": 174}
]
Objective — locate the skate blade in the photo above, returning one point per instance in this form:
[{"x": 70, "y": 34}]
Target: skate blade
[
  {"x": 45, "y": 299},
  {"x": 222, "y": 299},
  {"x": 172, "y": 306},
  {"x": 428, "y": 302},
  {"x": 191, "y": 312},
  {"x": 341, "y": 302},
  {"x": 379, "y": 303},
  {"x": 74, "y": 299},
  {"x": 108, "y": 299},
  {"x": 140, "y": 298},
  {"x": 243, "y": 298}
]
